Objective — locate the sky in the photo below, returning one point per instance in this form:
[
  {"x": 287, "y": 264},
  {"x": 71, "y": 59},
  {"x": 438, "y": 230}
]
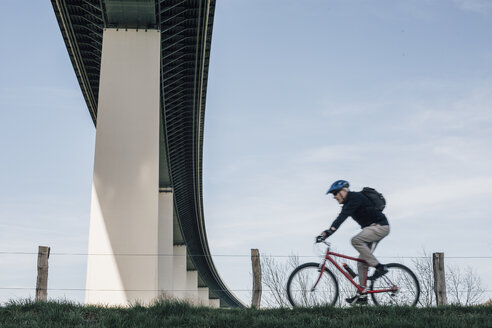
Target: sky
[{"x": 396, "y": 95}]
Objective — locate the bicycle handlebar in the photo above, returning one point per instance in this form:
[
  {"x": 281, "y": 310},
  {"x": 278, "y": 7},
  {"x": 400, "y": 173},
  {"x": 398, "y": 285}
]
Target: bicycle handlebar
[{"x": 322, "y": 242}]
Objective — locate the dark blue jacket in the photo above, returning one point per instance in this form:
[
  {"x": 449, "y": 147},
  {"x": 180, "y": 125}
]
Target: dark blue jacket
[{"x": 361, "y": 209}]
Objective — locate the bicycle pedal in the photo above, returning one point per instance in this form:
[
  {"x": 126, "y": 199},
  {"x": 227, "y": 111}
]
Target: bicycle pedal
[{"x": 357, "y": 300}]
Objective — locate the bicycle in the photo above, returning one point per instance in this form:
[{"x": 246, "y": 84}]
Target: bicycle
[{"x": 313, "y": 284}]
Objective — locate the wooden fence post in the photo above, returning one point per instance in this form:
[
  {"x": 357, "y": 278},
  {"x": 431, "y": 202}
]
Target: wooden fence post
[
  {"x": 255, "y": 261},
  {"x": 42, "y": 280},
  {"x": 439, "y": 278}
]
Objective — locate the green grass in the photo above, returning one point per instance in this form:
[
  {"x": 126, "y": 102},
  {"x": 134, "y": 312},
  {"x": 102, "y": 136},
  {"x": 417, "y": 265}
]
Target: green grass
[{"x": 175, "y": 314}]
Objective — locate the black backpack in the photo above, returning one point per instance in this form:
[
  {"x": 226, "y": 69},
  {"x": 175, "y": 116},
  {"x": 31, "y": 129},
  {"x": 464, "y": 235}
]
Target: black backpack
[{"x": 376, "y": 198}]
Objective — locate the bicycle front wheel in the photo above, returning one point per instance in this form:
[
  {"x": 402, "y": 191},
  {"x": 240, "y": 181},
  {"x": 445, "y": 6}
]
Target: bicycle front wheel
[
  {"x": 398, "y": 287},
  {"x": 306, "y": 286}
]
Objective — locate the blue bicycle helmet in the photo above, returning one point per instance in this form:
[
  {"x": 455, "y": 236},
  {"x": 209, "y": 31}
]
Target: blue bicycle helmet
[{"x": 337, "y": 185}]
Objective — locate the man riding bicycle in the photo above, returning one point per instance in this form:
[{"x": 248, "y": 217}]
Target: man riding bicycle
[{"x": 374, "y": 226}]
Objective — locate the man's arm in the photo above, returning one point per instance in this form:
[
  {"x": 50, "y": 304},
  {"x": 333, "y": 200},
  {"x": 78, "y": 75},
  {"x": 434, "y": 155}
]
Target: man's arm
[
  {"x": 334, "y": 226},
  {"x": 348, "y": 209}
]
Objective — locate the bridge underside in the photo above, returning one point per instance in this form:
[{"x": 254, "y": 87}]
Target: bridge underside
[{"x": 184, "y": 38}]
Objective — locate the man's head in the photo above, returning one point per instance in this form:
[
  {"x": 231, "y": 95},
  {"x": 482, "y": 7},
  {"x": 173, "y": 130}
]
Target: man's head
[
  {"x": 340, "y": 195},
  {"x": 339, "y": 189}
]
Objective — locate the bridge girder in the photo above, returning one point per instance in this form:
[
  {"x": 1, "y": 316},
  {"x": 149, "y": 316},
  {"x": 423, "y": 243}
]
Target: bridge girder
[{"x": 186, "y": 34}]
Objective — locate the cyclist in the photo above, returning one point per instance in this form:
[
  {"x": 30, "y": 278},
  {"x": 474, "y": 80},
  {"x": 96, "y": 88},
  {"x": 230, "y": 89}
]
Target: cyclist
[{"x": 374, "y": 226}]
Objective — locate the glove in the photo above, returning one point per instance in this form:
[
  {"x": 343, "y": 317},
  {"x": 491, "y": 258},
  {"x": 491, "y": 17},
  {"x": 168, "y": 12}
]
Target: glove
[
  {"x": 328, "y": 233},
  {"x": 324, "y": 235}
]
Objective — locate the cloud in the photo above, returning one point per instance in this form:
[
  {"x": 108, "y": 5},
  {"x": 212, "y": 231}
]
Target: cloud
[
  {"x": 483, "y": 7},
  {"x": 40, "y": 96},
  {"x": 454, "y": 112},
  {"x": 438, "y": 194},
  {"x": 333, "y": 153}
]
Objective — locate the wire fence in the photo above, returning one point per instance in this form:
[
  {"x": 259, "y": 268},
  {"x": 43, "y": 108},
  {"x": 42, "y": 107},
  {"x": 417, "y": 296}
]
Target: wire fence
[
  {"x": 240, "y": 290},
  {"x": 151, "y": 290},
  {"x": 223, "y": 255}
]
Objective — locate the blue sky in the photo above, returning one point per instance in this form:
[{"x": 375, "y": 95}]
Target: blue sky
[{"x": 391, "y": 94}]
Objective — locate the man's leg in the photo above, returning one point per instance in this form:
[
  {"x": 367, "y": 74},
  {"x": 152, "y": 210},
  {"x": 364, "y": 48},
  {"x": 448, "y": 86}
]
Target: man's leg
[
  {"x": 362, "y": 267},
  {"x": 365, "y": 242}
]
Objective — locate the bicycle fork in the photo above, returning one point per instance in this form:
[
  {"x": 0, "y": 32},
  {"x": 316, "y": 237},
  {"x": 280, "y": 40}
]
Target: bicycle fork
[{"x": 321, "y": 269}]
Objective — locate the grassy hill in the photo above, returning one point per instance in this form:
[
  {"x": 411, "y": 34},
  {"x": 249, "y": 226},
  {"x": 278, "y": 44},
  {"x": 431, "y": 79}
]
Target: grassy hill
[{"x": 173, "y": 314}]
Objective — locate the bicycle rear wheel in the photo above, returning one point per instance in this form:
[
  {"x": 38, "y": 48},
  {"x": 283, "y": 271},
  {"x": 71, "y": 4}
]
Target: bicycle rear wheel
[
  {"x": 303, "y": 279},
  {"x": 406, "y": 288}
]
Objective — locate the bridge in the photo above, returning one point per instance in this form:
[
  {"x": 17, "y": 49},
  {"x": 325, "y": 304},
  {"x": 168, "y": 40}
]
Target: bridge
[{"x": 142, "y": 66}]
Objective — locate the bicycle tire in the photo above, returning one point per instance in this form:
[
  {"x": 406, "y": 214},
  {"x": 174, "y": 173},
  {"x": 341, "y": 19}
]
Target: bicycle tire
[
  {"x": 301, "y": 281},
  {"x": 408, "y": 291}
]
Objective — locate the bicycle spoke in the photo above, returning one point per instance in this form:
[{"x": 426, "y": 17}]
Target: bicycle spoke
[
  {"x": 304, "y": 289},
  {"x": 400, "y": 277}
]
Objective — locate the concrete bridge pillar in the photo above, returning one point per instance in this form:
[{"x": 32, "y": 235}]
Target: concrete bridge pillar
[
  {"x": 192, "y": 286},
  {"x": 132, "y": 256},
  {"x": 165, "y": 241},
  {"x": 179, "y": 272},
  {"x": 203, "y": 296},
  {"x": 214, "y": 302},
  {"x": 124, "y": 229}
]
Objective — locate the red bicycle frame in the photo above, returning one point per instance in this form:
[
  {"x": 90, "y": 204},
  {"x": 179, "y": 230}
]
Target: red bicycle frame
[{"x": 348, "y": 276}]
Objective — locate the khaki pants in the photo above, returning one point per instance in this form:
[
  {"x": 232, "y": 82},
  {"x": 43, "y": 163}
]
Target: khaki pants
[{"x": 365, "y": 242}]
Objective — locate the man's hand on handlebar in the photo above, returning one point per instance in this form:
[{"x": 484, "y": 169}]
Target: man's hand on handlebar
[{"x": 325, "y": 234}]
